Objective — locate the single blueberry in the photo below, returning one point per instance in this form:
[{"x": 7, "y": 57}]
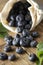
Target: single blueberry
[
  {"x": 24, "y": 42},
  {"x": 27, "y": 26},
  {"x": 3, "y": 56},
  {"x": 9, "y": 15},
  {"x": 16, "y": 41},
  {"x": 7, "y": 49},
  {"x": 8, "y": 40},
  {"x": 32, "y": 57},
  {"x": 35, "y": 34},
  {"x": 12, "y": 57},
  {"x": 17, "y": 36},
  {"x": 19, "y": 50},
  {"x": 30, "y": 38},
  {"x": 27, "y": 18},
  {"x": 19, "y": 17},
  {"x": 33, "y": 43},
  {"x": 22, "y": 23},
  {"x": 12, "y": 23},
  {"x": 22, "y": 12},
  {"x": 19, "y": 29},
  {"x": 25, "y": 32},
  {"x": 12, "y": 17}
]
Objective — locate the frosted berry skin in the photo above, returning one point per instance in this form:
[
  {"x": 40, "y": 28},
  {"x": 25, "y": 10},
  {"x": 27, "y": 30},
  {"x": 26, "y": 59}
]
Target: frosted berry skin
[
  {"x": 3, "y": 56},
  {"x": 8, "y": 39},
  {"x": 12, "y": 57},
  {"x": 27, "y": 26},
  {"x": 33, "y": 43},
  {"x": 19, "y": 50},
  {"x": 30, "y": 38},
  {"x": 7, "y": 49},
  {"x": 16, "y": 40},
  {"x": 25, "y": 32},
  {"x": 19, "y": 17},
  {"x": 24, "y": 42},
  {"x": 32, "y": 57},
  {"x": 35, "y": 34},
  {"x": 19, "y": 29}
]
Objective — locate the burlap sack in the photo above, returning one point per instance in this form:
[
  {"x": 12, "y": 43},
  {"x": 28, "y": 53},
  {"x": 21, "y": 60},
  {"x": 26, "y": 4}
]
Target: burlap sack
[{"x": 35, "y": 11}]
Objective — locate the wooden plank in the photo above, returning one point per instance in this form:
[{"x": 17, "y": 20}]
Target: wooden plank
[{"x": 22, "y": 59}]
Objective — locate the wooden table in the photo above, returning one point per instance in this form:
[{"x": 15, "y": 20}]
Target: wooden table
[{"x": 21, "y": 59}]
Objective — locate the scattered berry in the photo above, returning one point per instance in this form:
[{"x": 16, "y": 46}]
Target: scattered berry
[
  {"x": 35, "y": 34},
  {"x": 7, "y": 49},
  {"x": 32, "y": 57},
  {"x": 3, "y": 56},
  {"x": 11, "y": 57},
  {"x": 33, "y": 43},
  {"x": 19, "y": 50}
]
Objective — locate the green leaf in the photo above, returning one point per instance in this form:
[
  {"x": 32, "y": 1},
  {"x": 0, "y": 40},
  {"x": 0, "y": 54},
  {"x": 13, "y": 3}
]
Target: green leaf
[
  {"x": 40, "y": 53},
  {"x": 38, "y": 62},
  {"x": 40, "y": 45},
  {"x": 41, "y": 61},
  {"x": 3, "y": 31}
]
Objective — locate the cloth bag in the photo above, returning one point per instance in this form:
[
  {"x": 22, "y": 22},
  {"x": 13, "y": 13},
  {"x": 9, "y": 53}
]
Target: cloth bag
[{"x": 35, "y": 11}]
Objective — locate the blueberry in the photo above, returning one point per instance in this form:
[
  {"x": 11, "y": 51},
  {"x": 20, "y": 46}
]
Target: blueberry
[
  {"x": 30, "y": 23},
  {"x": 35, "y": 34},
  {"x": 12, "y": 17},
  {"x": 12, "y": 23},
  {"x": 27, "y": 18},
  {"x": 19, "y": 17},
  {"x": 19, "y": 24},
  {"x": 30, "y": 38},
  {"x": 19, "y": 29},
  {"x": 8, "y": 40},
  {"x": 27, "y": 26},
  {"x": 19, "y": 50},
  {"x": 10, "y": 13},
  {"x": 16, "y": 42},
  {"x": 7, "y": 49},
  {"x": 3, "y": 56},
  {"x": 24, "y": 42},
  {"x": 25, "y": 32},
  {"x": 32, "y": 57},
  {"x": 22, "y": 12},
  {"x": 22, "y": 23},
  {"x": 33, "y": 43},
  {"x": 12, "y": 57},
  {"x": 17, "y": 36}
]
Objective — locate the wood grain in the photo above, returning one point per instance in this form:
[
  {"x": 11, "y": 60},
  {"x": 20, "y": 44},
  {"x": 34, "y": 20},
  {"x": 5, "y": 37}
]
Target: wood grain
[{"x": 21, "y": 59}]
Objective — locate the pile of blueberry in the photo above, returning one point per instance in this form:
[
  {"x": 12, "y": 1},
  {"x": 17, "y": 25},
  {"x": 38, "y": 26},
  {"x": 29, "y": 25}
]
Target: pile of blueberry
[
  {"x": 19, "y": 16},
  {"x": 25, "y": 39}
]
